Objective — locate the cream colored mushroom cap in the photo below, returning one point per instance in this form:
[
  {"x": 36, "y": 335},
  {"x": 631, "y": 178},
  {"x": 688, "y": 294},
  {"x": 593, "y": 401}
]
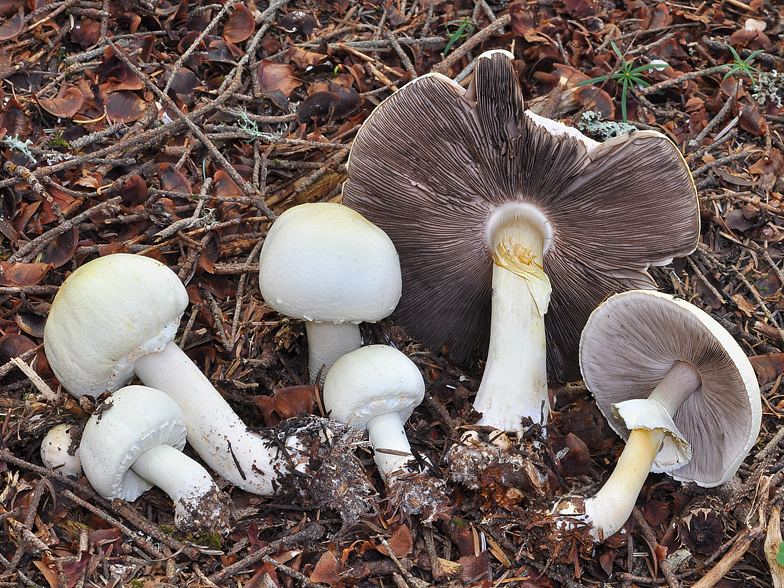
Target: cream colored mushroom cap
[
  {"x": 54, "y": 451},
  {"x": 631, "y": 342},
  {"x": 325, "y": 262},
  {"x": 108, "y": 313},
  {"x": 128, "y": 423}
]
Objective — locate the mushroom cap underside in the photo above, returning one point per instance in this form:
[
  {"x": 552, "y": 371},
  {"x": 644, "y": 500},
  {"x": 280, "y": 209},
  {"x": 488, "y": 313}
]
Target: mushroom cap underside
[
  {"x": 108, "y": 312},
  {"x": 323, "y": 262},
  {"x": 128, "y": 423},
  {"x": 433, "y": 162},
  {"x": 631, "y": 342},
  {"x": 373, "y": 380}
]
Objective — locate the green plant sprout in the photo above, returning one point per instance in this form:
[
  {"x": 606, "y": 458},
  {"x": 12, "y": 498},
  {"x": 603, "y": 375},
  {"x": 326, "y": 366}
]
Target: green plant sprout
[
  {"x": 627, "y": 75},
  {"x": 743, "y": 67},
  {"x": 464, "y": 30},
  {"x": 780, "y": 554}
]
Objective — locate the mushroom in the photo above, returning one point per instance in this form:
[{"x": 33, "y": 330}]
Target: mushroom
[
  {"x": 377, "y": 388},
  {"x": 497, "y": 212},
  {"x": 134, "y": 441},
  {"x": 60, "y": 452},
  {"x": 116, "y": 316},
  {"x": 677, "y": 386},
  {"x": 325, "y": 264}
]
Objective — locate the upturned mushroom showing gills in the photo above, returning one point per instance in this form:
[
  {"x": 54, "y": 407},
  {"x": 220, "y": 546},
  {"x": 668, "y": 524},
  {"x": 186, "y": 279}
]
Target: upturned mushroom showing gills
[
  {"x": 677, "y": 386},
  {"x": 500, "y": 216},
  {"x": 116, "y": 316},
  {"x": 325, "y": 264},
  {"x": 134, "y": 441}
]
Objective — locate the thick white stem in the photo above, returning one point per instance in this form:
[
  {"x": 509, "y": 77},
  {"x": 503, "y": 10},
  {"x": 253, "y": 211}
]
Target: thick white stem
[
  {"x": 613, "y": 504},
  {"x": 514, "y": 383},
  {"x": 387, "y": 435},
  {"x": 173, "y": 472},
  {"x": 327, "y": 343},
  {"x": 215, "y": 431}
]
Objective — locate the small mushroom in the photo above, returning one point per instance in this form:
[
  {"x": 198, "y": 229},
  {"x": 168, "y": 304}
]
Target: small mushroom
[
  {"x": 60, "y": 452},
  {"x": 377, "y": 388},
  {"x": 677, "y": 386},
  {"x": 497, "y": 212},
  {"x": 325, "y": 264},
  {"x": 116, "y": 316},
  {"x": 134, "y": 441}
]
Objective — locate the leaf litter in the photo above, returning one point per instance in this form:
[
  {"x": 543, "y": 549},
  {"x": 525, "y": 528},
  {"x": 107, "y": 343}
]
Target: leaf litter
[{"x": 180, "y": 131}]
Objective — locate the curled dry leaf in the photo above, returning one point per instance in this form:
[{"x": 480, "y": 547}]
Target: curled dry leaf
[
  {"x": 752, "y": 120},
  {"x": 298, "y": 22},
  {"x": 331, "y": 105},
  {"x": 224, "y": 187},
  {"x": 67, "y": 102},
  {"x": 134, "y": 191},
  {"x": 173, "y": 180},
  {"x": 22, "y": 274},
  {"x": 14, "y": 120},
  {"x": 62, "y": 248},
  {"x": 661, "y": 16},
  {"x": 327, "y": 571},
  {"x": 768, "y": 367},
  {"x": 239, "y": 26},
  {"x": 303, "y": 58},
  {"x": 125, "y": 106},
  {"x": 594, "y": 98},
  {"x": 13, "y": 26},
  {"x": 287, "y": 403},
  {"x": 86, "y": 33},
  {"x": 277, "y": 76}
]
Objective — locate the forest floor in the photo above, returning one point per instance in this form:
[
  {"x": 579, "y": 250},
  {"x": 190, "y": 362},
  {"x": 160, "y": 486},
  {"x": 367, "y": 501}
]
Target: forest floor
[{"x": 179, "y": 131}]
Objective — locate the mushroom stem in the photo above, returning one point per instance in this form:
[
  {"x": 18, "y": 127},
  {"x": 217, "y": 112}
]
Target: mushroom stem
[
  {"x": 613, "y": 504},
  {"x": 327, "y": 343},
  {"x": 391, "y": 447},
  {"x": 215, "y": 431},
  {"x": 680, "y": 382},
  {"x": 514, "y": 384},
  {"x": 187, "y": 483}
]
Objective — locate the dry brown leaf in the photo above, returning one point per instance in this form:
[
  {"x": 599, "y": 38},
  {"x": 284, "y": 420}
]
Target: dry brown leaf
[
  {"x": 22, "y": 274},
  {"x": 239, "y": 26},
  {"x": 13, "y": 26},
  {"x": 277, "y": 76}
]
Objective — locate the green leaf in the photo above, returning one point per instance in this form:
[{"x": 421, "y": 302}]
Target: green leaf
[{"x": 457, "y": 34}]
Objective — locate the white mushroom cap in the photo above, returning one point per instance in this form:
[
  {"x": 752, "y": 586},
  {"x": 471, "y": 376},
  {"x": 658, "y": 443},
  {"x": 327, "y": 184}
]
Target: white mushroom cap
[
  {"x": 325, "y": 262},
  {"x": 633, "y": 340},
  {"x": 54, "y": 451},
  {"x": 134, "y": 441},
  {"x": 92, "y": 341},
  {"x": 372, "y": 381},
  {"x": 128, "y": 423}
]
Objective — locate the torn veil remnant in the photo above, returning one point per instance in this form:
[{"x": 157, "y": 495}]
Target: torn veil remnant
[
  {"x": 497, "y": 211},
  {"x": 677, "y": 386}
]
